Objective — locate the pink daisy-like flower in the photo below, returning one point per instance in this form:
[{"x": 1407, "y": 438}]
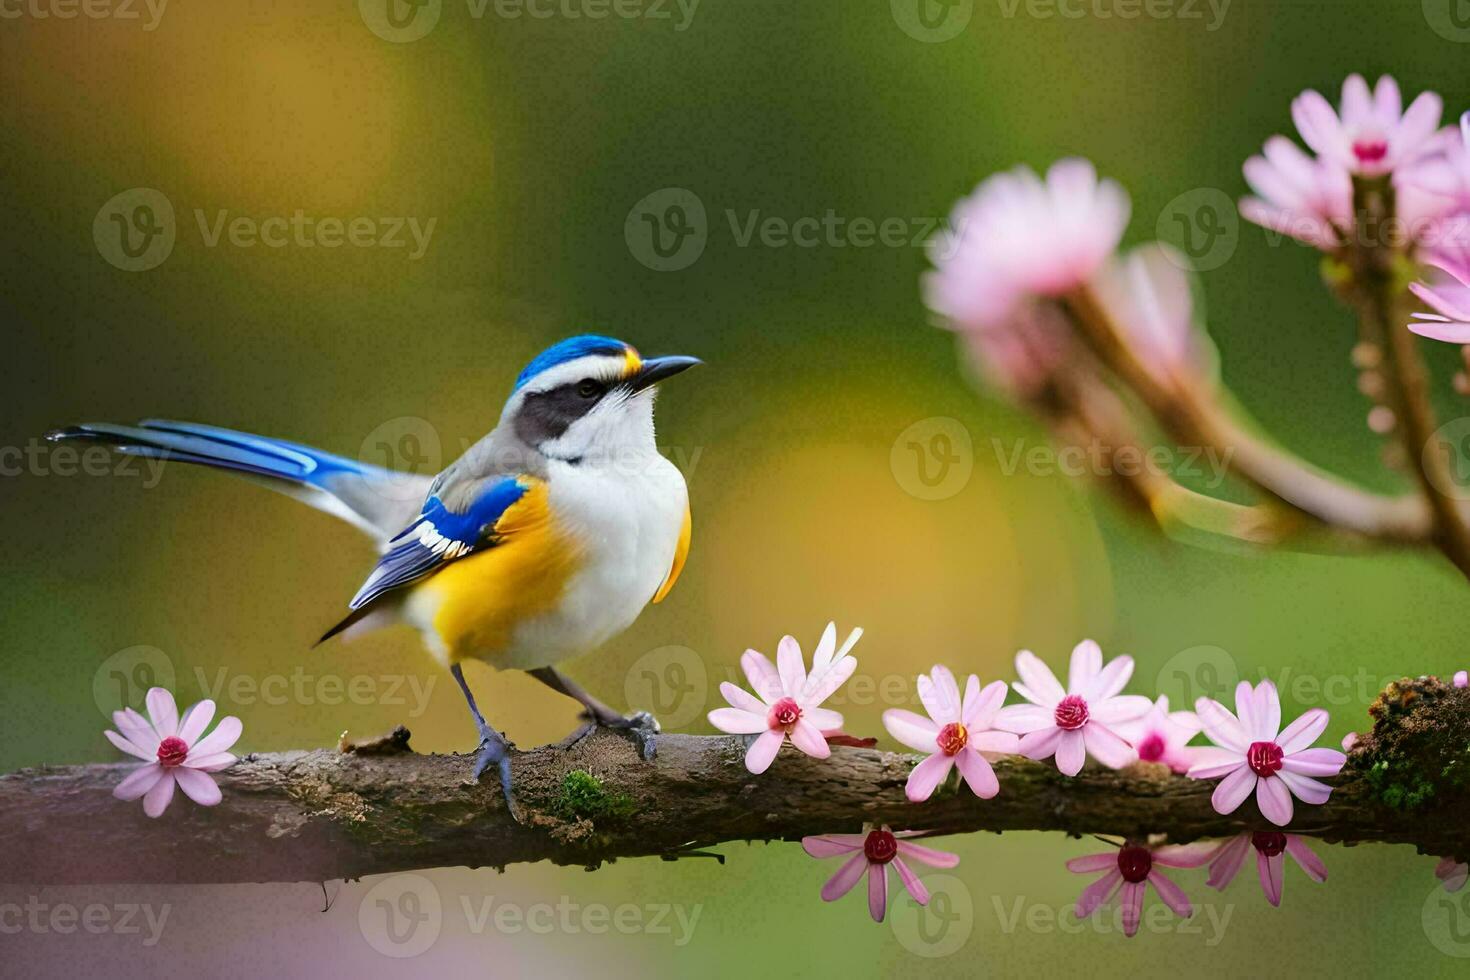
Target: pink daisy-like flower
[
  {"x": 1019, "y": 237},
  {"x": 1147, "y": 294},
  {"x": 1308, "y": 199},
  {"x": 789, "y": 702},
  {"x": 1162, "y": 735},
  {"x": 1255, "y": 755},
  {"x": 956, "y": 733},
  {"x": 872, "y": 853},
  {"x": 1453, "y": 873},
  {"x": 1271, "y": 848},
  {"x": 1076, "y": 722},
  {"x": 1373, "y": 135},
  {"x": 177, "y": 751},
  {"x": 1130, "y": 870}
]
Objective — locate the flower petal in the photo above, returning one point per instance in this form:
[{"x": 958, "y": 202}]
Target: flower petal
[
  {"x": 1132, "y": 902},
  {"x": 739, "y": 697},
  {"x": 1171, "y": 893},
  {"x": 156, "y": 800},
  {"x": 1315, "y": 762},
  {"x": 138, "y": 782},
  {"x": 1307, "y": 858},
  {"x": 1245, "y": 710},
  {"x": 820, "y": 687},
  {"x": 1220, "y": 726},
  {"x": 225, "y": 735},
  {"x": 911, "y": 882},
  {"x": 1121, "y": 708},
  {"x": 790, "y": 666},
  {"x": 825, "y": 719},
  {"x": 1087, "y": 661},
  {"x": 1233, "y": 790},
  {"x": 1110, "y": 680},
  {"x": 1305, "y": 788},
  {"x": 126, "y": 746},
  {"x": 878, "y": 891},
  {"x": 163, "y": 713},
  {"x": 1104, "y": 745},
  {"x": 808, "y": 738},
  {"x": 980, "y": 711},
  {"x": 1227, "y": 861},
  {"x": 1274, "y": 800},
  {"x": 764, "y": 679},
  {"x": 1186, "y": 855},
  {"x": 995, "y": 743},
  {"x": 1041, "y": 744},
  {"x": 848, "y": 875},
  {"x": 136, "y": 729},
  {"x": 913, "y": 730},
  {"x": 1099, "y": 892},
  {"x": 1267, "y": 711},
  {"x": 832, "y": 845},
  {"x": 1270, "y": 869},
  {"x": 195, "y": 721},
  {"x": 1212, "y": 763},
  {"x": 978, "y": 774},
  {"x": 1301, "y": 733},
  {"x": 826, "y": 647},
  {"x": 738, "y": 721},
  {"x": 1024, "y": 718},
  {"x": 210, "y": 763},
  {"x": 762, "y": 751},
  {"x": 926, "y": 855},
  {"x": 927, "y": 776},
  {"x": 197, "y": 786},
  {"x": 1071, "y": 753},
  {"x": 1091, "y": 863},
  {"x": 1041, "y": 685}
]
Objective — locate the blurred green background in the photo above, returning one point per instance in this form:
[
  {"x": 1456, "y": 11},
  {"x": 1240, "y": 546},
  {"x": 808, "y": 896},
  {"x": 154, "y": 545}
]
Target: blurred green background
[{"x": 529, "y": 141}]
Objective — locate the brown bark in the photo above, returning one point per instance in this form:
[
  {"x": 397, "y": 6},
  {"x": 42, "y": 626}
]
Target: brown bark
[{"x": 324, "y": 814}]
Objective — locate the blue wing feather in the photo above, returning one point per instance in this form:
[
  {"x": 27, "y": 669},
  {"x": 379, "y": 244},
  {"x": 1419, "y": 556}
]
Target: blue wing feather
[{"x": 439, "y": 536}]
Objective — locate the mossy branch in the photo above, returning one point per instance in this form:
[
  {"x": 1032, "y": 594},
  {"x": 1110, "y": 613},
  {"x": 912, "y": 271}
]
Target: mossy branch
[{"x": 380, "y": 807}]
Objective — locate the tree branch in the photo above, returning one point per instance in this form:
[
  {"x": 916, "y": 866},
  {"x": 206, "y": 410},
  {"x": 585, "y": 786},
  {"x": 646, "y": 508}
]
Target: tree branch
[{"x": 325, "y": 814}]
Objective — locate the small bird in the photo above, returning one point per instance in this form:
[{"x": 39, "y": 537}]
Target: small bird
[{"x": 547, "y": 538}]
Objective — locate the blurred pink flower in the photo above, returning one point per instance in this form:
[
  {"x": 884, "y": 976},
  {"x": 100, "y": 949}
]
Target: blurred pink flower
[
  {"x": 174, "y": 750},
  {"x": 956, "y": 733},
  {"x": 1271, "y": 846},
  {"x": 1373, "y": 135},
  {"x": 1453, "y": 873},
  {"x": 1448, "y": 296},
  {"x": 1020, "y": 356},
  {"x": 1256, "y": 755},
  {"x": 1162, "y": 735},
  {"x": 1130, "y": 869},
  {"x": 1147, "y": 295},
  {"x": 1462, "y": 678},
  {"x": 1074, "y": 723},
  {"x": 1298, "y": 195},
  {"x": 871, "y": 854},
  {"x": 789, "y": 698},
  {"x": 1017, "y": 238}
]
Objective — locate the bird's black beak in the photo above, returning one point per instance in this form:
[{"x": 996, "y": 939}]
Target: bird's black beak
[{"x": 657, "y": 369}]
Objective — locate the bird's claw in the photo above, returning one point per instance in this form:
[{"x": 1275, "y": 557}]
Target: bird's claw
[
  {"x": 641, "y": 728},
  {"x": 494, "y": 750}
]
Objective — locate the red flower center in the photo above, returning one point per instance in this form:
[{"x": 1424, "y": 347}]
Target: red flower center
[
  {"x": 1370, "y": 150},
  {"x": 784, "y": 713},
  {"x": 880, "y": 847},
  {"x": 1151, "y": 749},
  {"x": 1071, "y": 714},
  {"x": 1135, "y": 862},
  {"x": 172, "y": 751},
  {"x": 1269, "y": 844},
  {"x": 952, "y": 738},
  {"x": 1264, "y": 758}
]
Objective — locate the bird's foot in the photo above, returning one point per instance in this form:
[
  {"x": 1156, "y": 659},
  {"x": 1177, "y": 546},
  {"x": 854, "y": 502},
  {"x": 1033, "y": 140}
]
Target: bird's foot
[
  {"x": 494, "y": 750},
  {"x": 641, "y": 729}
]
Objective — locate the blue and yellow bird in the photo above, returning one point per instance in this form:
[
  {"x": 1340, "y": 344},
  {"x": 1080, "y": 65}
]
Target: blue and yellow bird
[{"x": 543, "y": 541}]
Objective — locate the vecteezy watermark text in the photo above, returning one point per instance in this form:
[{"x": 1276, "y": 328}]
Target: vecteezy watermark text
[
  {"x": 96, "y": 918},
  {"x": 1099, "y": 459},
  {"x": 89, "y": 9}
]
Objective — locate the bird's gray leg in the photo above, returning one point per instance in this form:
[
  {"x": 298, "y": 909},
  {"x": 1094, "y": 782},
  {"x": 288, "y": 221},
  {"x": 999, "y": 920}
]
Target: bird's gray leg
[
  {"x": 641, "y": 727},
  {"x": 494, "y": 748}
]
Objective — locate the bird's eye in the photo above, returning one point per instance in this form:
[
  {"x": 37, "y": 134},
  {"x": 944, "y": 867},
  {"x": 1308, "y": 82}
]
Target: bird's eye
[{"x": 588, "y": 388}]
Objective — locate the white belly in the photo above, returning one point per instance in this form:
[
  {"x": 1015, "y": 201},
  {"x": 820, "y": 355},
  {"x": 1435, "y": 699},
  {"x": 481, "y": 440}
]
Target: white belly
[{"x": 627, "y": 515}]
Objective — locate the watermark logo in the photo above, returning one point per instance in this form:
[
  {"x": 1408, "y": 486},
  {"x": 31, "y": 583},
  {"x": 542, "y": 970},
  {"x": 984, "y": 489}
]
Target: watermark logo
[
  {"x": 940, "y": 928},
  {"x": 1211, "y": 13},
  {"x": 123, "y": 679},
  {"x": 667, "y": 230},
  {"x": 1450, "y": 19},
  {"x": 400, "y": 21},
  {"x": 135, "y": 230},
  {"x": 1446, "y": 921},
  {"x": 1209, "y": 921},
  {"x": 1198, "y": 672},
  {"x": 401, "y": 916},
  {"x": 671, "y": 683},
  {"x": 1096, "y": 458},
  {"x": 932, "y": 21},
  {"x": 1203, "y": 227},
  {"x": 1447, "y": 458},
  {"x": 408, "y": 446},
  {"x": 933, "y": 458},
  {"x": 122, "y": 10}
]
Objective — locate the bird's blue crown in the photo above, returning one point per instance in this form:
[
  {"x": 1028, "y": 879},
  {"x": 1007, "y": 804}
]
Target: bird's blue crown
[{"x": 569, "y": 350}]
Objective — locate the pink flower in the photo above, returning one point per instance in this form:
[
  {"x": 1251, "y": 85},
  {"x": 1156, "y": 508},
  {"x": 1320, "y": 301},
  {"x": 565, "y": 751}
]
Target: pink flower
[
  {"x": 174, "y": 750},
  {"x": 1074, "y": 723},
  {"x": 1270, "y": 863},
  {"x": 790, "y": 698},
  {"x": 1448, "y": 295},
  {"x": 1453, "y": 873},
  {"x": 1020, "y": 356},
  {"x": 1255, "y": 755},
  {"x": 1373, "y": 135},
  {"x": 1462, "y": 678},
  {"x": 956, "y": 733},
  {"x": 1130, "y": 869},
  {"x": 872, "y": 853},
  {"x": 1147, "y": 294},
  {"x": 1309, "y": 199},
  {"x": 1163, "y": 735},
  {"x": 1017, "y": 238}
]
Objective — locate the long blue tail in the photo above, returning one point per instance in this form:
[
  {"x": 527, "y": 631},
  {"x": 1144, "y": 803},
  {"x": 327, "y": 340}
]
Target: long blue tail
[{"x": 379, "y": 501}]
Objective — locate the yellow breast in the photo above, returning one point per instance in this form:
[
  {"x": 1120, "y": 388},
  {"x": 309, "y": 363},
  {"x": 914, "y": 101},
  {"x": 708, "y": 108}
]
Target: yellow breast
[{"x": 478, "y": 601}]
